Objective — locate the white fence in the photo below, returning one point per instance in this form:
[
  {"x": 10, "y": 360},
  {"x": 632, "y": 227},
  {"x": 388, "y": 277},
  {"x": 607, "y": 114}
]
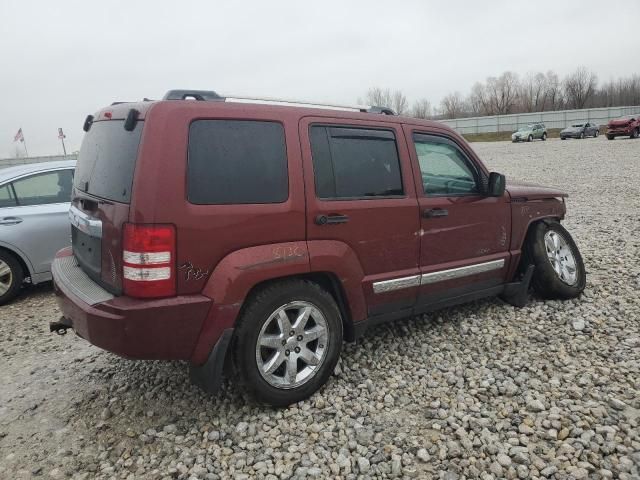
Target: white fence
[
  {"x": 8, "y": 162},
  {"x": 557, "y": 119}
]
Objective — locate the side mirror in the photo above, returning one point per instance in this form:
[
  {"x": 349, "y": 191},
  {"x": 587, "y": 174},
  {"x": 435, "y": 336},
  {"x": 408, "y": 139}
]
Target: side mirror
[{"x": 496, "y": 186}]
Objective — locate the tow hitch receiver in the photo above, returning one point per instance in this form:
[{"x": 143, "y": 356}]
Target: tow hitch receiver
[{"x": 60, "y": 327}]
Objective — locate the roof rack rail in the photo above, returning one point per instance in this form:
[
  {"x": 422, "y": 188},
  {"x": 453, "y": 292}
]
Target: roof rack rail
[
  {"x": 210, "y": 95},
  {"x": 382, "y": 110}
]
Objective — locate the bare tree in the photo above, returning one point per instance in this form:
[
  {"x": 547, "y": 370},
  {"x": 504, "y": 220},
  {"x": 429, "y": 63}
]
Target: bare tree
[
  {"x": 532, "y": 94},
  {"x": 452, "y": 105},
  {"x": 479, "y": 101},
  {"x": 579, "y": 87},
  {"x": 503, "y": 92},
  {"x": 378, "y": 97},
  {"x": 624, "y": 91},
  {"x": 554, "y": 91},
  {"x": 399, "y": 103},
  {"x": 421, "y": 109},
  {"x": 384, "y": 97}
]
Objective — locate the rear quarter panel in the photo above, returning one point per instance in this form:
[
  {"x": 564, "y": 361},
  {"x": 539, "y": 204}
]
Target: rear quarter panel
[{"x": 208, "y": 233}]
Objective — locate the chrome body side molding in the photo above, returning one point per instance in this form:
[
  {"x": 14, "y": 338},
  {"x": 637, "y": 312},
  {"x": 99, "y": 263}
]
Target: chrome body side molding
[{"x": 434, "y": 277}]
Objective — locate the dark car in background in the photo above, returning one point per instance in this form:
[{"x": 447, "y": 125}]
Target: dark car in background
[
  {"x": 580, "y": 130},
  {"x": 628, "y": 126}
]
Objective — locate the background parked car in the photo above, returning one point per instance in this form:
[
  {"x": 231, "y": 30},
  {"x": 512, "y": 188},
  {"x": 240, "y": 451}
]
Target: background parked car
[
  {"x": 625, "y": 126},
  {"x": 34, "y": 222},
  {"x": 580, "y": 130},
  {"x": 530, "y": 132}
]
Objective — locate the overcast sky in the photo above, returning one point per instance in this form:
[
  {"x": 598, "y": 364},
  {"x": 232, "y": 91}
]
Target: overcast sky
[{"x": 61, "y": 60}]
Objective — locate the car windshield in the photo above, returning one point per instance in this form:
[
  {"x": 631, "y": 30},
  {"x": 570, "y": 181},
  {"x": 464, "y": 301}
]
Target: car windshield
[
  {"x": 578, "y": 125},
  {"x": 525, "y": 128}
]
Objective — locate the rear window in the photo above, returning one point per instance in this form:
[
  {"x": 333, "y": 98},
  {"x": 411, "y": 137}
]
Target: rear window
[
  {"x": 107, "y": 160},
  {"x": 237, "y": 161}
]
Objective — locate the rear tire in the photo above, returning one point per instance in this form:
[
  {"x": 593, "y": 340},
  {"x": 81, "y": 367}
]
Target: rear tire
[
  {"x": 11, "y": 277},
  {"x": 559, "y": 272},
  {"x": 582, "y": 136},
  {"x": 595, "y": 135},
  {"x": 278, "y": 374},
  {"x": 610, "y": 137},
  {"x": 530, "y": 138},
  {"x": 544, "y": 136}
]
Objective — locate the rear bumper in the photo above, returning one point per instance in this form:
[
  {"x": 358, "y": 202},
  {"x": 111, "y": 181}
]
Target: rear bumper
[{"x": 158, "y": 329}]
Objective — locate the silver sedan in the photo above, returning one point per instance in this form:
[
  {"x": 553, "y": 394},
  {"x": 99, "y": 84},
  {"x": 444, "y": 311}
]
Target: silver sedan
[{"x": 34, "y": 222}]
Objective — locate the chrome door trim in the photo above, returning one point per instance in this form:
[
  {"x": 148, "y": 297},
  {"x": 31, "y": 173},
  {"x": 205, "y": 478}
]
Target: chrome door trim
[
  {"x": 85, "y": 223},
  {"x": 434, "y": 277},
  {"x": 459, "y": 272},
  {"x": 396, "y": 284}
]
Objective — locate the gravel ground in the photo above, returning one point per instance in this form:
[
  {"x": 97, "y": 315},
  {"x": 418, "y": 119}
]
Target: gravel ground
[{"x": 479, "y": 391}]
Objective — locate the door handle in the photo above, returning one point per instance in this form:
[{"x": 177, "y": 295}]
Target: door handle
[
  {"x": 435, "y": 212},
  {"x": 331, "y": 219},
  {"x": 10, "y": 221}
]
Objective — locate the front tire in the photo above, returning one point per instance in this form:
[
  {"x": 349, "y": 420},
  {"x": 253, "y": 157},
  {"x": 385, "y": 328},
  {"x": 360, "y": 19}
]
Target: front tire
[
  {"x": 559, "y": 268},
  {"x": 287, "y": 342},
  {"x": 544, "y": 137},
  {"x": 530, "y": 138},
  {"x": 596, "y": 133},
  {"x": 635, "y": 133},
  {"x": 11, "y": 277},
  {"x": 610, "y": 137}
]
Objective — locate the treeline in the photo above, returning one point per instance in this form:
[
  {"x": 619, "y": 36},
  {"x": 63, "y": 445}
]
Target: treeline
[{"x": 510, "y": 93}]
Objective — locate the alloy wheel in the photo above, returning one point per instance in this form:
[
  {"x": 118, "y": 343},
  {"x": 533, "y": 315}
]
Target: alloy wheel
[
  {"x": 6, "y": 277},
  {"x": 292, "y": 345},
  {"x": 561, "y": 257}
]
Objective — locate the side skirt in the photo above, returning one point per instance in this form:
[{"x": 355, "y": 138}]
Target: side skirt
[{"x": 514, "y": 293}]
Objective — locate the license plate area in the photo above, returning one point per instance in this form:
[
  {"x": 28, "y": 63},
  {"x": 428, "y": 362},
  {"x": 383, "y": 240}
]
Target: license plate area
[{"x": 88, "y": 252}]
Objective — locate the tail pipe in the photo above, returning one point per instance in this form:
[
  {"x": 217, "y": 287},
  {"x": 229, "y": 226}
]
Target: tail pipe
[{"x": 61, "y": 326}]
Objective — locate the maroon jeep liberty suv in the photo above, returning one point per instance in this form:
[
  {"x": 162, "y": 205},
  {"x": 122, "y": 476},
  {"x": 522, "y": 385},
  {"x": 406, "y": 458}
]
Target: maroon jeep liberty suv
[{"x": 254, "y": 237}]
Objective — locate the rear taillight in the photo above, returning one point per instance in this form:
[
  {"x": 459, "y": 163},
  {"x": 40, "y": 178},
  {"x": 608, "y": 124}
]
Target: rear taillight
[{"x": 148, "y": 256}]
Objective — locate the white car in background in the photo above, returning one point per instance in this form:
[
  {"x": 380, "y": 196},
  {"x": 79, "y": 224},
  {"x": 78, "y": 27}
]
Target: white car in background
[{"x": 34, "y": 222}]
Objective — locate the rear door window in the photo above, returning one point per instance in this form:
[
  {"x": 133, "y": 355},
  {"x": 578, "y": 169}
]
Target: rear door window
[
  {"x": 107, "y": 160},
  {"x": 44, "y": 188},
  {"x": 355, "y": 163},
  {"x": 237, "y": 162}
]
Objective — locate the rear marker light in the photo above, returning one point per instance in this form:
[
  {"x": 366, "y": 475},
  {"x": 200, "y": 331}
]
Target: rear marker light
[{"x": 149, "y": 260}]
